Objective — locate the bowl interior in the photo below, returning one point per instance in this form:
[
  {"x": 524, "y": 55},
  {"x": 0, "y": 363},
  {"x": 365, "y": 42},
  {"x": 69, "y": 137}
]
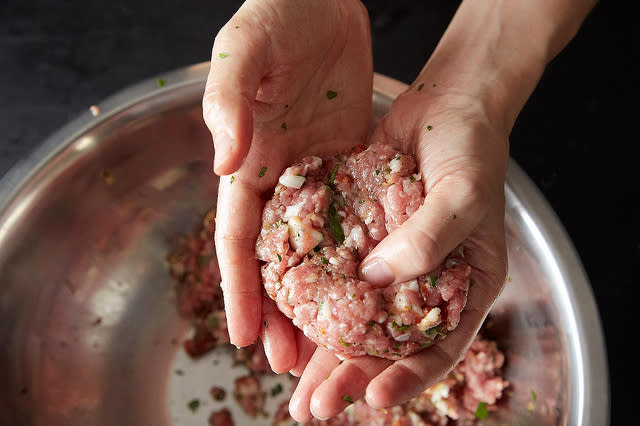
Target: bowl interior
[{"x": 88, "y": 323}]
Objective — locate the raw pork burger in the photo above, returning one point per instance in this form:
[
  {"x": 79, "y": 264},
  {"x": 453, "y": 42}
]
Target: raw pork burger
[{"x": 324, "y": 218}]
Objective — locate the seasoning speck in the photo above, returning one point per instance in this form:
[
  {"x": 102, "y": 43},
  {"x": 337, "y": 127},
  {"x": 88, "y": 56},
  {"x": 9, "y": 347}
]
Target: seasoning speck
[
  {"x": 284, "y": 125},
  {"x": 179, "y": 372},
  {"x": 223, "y": 55},
  {"x": 262, "y": 171},
  {"x": 232, "y": 179},
  {"x": 429, "y": 127},
  {"x": 95, "y": 111},
  {"x": 276, "y": 390},
  {"x": 107, "y": 177},
  {"x": 482, "y": 411},
  {"x": 420, "y": 87},
  {"x": 160, "y": 82},
  {"x": 348, "y": 399},
  {"x": 193, "y": 405},
  {"x": 331, "y": 94}
]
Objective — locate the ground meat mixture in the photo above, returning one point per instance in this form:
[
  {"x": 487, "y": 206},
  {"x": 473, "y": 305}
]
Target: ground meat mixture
[
  {"x": 324, "y": 218},
  {"x": 476, "y": 381}
]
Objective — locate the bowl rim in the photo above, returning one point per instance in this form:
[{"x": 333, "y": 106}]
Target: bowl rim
[{"x": 586, "y": 340}]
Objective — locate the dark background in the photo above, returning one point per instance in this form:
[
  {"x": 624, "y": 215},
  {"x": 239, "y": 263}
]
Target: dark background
[{"x": 576, "y": 137}]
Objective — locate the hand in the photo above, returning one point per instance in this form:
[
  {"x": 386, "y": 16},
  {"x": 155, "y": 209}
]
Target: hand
[
  {"x": 462, "y": 156},
  {"x": 269, "y": 100}
]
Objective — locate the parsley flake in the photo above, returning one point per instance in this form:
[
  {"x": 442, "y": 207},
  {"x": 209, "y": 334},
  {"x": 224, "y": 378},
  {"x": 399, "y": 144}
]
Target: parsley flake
[
  {"x": 324, "y": 260},
  {"x": 482, "y": 412},
  {"x": 284, "y": 125},
  {"x": 266, "y": 325},
  {"x": 276, "y": 390},
  {"x": 348, "y": 399},
  {"x": 429, "y": 127},
  {"x": 232, "y": 179},
  {"x": 412, "y": 179},
  {"x": 377, "y": 172},
  {"x": 223, "y": 55},
  {"x": 279, "y": 257},
  {"x": 262, "y": 171},
  {"x": 193, "y": 405},
  {"x": 343, "y": 343},
  {"x": 420, "y": 87},
  {"x": 334, "y": 224},
  {"x": 434, "y": 280},
  {"x": 331, "y": 94},
  {"x": 160, "y": 82},
  {"x": 333, "y": 174},
  {"x": 533, "y": 395}
]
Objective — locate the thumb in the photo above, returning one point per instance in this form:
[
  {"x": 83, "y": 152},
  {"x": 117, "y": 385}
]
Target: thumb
[
  {"x": 236, "y": 71},
  {"x": 450, "y": 212}
]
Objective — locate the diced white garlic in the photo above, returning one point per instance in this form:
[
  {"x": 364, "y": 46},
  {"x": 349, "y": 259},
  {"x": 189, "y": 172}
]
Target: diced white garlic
[{"x": 292, "y": 181}]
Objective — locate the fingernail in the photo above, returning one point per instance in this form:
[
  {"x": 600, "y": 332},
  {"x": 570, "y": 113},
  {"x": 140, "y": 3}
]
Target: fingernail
[
  {"x": 314, "y": 414},
  {"x": 377, "y": 272},
  {"x": 223, "y": 145}
]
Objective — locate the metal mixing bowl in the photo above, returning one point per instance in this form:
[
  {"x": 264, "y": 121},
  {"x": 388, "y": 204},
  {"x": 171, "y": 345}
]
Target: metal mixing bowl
[{"x": 88, "y": 326}]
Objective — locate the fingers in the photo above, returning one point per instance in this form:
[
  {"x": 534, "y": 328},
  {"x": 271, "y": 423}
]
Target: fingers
[
  {"x": 450, "y": 212},
  {"x": 278, "y": 337},
  {"x": 347, "y": 383},
  {"x": 305, "y": 349},
  {"x": 408, "y": 377},
  {"x": 319, "y": 367},
  {"x": 235, "y": 74},
  {"x": 237, "y": 227}
]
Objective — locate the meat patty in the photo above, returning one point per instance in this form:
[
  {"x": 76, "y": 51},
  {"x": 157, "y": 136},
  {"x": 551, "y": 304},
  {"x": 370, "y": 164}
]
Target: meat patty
[{"x": 325, "y": 217}]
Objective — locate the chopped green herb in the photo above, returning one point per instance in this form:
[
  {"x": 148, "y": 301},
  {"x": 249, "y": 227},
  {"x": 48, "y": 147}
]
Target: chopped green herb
[
  {"x": 160, "y": 82},
  {"x": 454, "y": 216},
  {"x": 400, "y": 327},
  {"x": 333, "y": 174},
  {"x": 232, "y": 179},
  {"x": 279, "y": 257},
  {"x": 193, "y": 405},
  {"x": 262, "y": 171},
  {"x": 426, "y": 345},
  {"x": 429, "y": 127},
  {"x": 482, "y": 412},
  {"x": 377, "y": 172},
  {"x": 412, "y": 179},
  {"x": 324, "y": 260},
  {"x": 276, "y": 390},
  {"x": 343, "y": 343},
  {"x": 434, "y": 331},
  {"x": 348, "y": 399},
  {"x": 237, "y": 26},
  {"x": 284, "y": 125},
  {"x": 334, "y": 224},
  {"x": 372, "y": 323},
  {"x": 179, "y": 372},
  {"x": 223, "y": 55},
  {"x": 279, "y": 223},
  {"x": 434, "y": 280},
  {"x": 361, "y": 201},
  {"x": 212, "y": 322},
  {"x": 331, "y": 94},
  {"x": 265, "y": 324},
  {"x": 534, "y": 396},
  {"x": 420, "y": 87}
]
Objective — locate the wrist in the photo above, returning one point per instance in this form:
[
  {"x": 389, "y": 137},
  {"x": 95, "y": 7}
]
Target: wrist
[{"x": 496, "y": 51}]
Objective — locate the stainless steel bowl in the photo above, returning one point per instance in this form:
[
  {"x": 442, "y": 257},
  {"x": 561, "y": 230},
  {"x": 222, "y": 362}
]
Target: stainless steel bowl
[{"x": 88, "y": 327}]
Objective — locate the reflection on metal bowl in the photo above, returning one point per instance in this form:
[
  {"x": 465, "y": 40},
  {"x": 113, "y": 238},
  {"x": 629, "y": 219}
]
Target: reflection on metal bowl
[{"x": 88, "y": 325}]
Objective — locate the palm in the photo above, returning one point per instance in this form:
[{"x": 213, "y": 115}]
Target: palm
[
  {"x": 280, "y": 99},
  {"x": 463, "y": 162}
]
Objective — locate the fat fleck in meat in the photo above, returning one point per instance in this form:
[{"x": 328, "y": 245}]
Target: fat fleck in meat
[{"x": 325, "y": 216}]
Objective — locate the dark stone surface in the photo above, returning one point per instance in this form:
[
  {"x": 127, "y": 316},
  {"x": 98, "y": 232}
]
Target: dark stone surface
[{"x": 574, "y": 137}]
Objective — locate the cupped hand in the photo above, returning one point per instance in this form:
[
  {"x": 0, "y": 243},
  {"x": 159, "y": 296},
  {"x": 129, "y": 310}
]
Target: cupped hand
[
  {"x": 287, "y": 79},
  {"x": 462, "y": 156}
]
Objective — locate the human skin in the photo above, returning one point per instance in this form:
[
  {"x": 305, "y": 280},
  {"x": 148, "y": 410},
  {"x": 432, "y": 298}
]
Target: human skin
[{"x": 456, "y": 118}]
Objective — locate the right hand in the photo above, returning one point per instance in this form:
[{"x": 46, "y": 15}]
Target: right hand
[{"x": 267, "y": 104}]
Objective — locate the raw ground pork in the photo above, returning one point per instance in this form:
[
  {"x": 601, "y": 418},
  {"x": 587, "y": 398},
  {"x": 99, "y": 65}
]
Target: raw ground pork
[
  {"x": 476, "y": 380},
  {"x": 324, "y": 218}
]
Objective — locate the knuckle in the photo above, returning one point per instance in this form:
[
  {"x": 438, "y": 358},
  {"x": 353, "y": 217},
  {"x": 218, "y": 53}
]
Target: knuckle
[{"x": 424, "y": 250}]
